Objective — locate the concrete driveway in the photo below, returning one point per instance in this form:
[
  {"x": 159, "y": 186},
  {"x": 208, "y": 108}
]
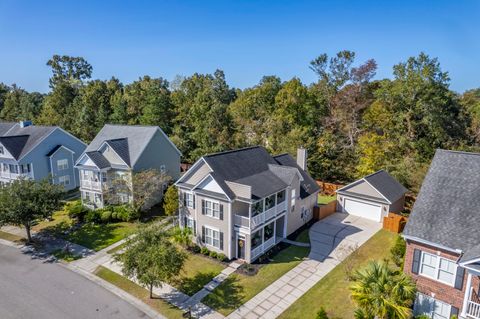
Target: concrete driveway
[{"x": 335, "y": 237}]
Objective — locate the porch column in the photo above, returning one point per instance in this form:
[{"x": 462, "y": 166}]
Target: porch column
[
  {"x": 249, "y": 215},
  {"x": 263, "y": 238},
  {"x": 275, "y": 230},
  {"x": 466, "y": 298}
]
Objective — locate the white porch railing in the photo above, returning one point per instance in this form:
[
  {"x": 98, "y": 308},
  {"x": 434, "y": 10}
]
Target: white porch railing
[
  {"x": 261, "y": 218},
  {"x": 91, "y": 184},
  {"x": 259, "y": 250},
  {"x": 9, "y": 175},
  {"x": 473, "y": 309}
]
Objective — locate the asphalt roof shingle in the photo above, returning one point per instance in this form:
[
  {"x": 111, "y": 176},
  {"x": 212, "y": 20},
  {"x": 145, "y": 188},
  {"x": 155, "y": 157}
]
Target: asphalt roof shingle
[
  {"x": 98, "y": 159},
  {"x": 5, "y": 126},
  {"x": 21, "y": 140},
  {"x": 386, "y": 185},
  {"x": 447, "y": 209}
]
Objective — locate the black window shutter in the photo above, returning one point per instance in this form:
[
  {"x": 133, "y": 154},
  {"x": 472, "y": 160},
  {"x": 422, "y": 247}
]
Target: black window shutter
[
  {"x": 453, "y": 311},
  {"x": 416, "y": 260},
  {"x": 459, "y": 278},
  {"x": 221, "y": 212},
  {"x": 203, "y": 207},
  {"x": 203, "y": 234},
  {"x": 193, "y": 201},
  {"x": 221, "y": 241}
]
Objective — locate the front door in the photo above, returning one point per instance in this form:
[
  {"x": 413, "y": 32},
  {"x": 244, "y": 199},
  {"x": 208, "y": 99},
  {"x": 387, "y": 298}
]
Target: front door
[{"x": 241, "y": 248}]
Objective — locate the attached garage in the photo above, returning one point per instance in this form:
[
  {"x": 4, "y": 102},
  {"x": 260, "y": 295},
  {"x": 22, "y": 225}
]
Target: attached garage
[{"x": 372, "y": 197}]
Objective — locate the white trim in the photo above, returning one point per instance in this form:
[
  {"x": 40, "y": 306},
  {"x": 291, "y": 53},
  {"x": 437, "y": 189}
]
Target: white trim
[
  {"x": 81, "y": 157},
  {"x": 201, "y": 159},
  {"x": 203, "y": 179},
  {"x": 429, "y": 243},
  {"x": 105, "y": 142},
  {"x": 470, "y": 261},
  {"x": 437, "y": 268},
  {"x": 62, "y": 146},
  {"x": 377, "y": 191}
]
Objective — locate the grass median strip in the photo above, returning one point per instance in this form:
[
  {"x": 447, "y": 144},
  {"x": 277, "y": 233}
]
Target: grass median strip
[
  {"x": 139, "y": 292},
  {"x": 332, "y": 291},
  {"x": 10, "y": 237}
]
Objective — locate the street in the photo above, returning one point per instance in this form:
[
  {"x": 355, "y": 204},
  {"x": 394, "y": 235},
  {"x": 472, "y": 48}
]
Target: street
[{"x": 33, "y": 288}]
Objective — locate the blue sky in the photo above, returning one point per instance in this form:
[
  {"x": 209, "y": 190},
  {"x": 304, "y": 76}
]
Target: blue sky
[{"x": 246, "y": 39}]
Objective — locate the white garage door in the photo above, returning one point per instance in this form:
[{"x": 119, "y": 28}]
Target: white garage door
[{"x": 364, "y": 210}]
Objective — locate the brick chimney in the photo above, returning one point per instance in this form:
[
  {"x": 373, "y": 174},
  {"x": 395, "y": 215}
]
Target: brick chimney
[{"x": 302, "y": 158}]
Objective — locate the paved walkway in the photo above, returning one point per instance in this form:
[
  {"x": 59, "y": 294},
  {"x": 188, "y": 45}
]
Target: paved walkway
[{"x": 332, "y": 240}]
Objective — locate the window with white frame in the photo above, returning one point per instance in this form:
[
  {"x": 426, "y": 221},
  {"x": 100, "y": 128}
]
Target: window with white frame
[
  {"x": 431, "y": 307},
  {"x": 62, "y": 164},
  {"x": 64, "y": 180},
  {"x": 212, "y": 237},
  {"x": 189, "y": 198},
  {"x": 438, "y": 268},
  {"x": 211, "y": 209},
  {"x": 293, "y": 197}
]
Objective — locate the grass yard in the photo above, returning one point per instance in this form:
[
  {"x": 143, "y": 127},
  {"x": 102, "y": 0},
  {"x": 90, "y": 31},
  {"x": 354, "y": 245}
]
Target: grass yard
[
  {"x": 65, "y": 256},
  {"x": 139, "y": 292},
  {"x": 332, "y": 291},
  {"x": 324, "y": 199},
  {"x": 239, "y": 288},
  {"x": 10, "y": 237},
  {"x": 197, "y": 271}
]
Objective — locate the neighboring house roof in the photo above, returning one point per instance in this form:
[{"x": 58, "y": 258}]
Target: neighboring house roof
[
  {"x": 98, "y": 159},
  {"x": 383, "y": 183},
  {"x": 447, "y": 210},
  {"x": 5, "y": 127},
  {"x": 255, "y": 167},
  {"x": 128, "y": 141},
  {"x": 21, "y": 140}
]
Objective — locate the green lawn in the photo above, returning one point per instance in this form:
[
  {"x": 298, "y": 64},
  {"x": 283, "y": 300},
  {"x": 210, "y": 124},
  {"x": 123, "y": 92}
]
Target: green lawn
[
  {"x": 139, "y": 292},
  {"x": 64, "y": 256},
  {"x": 93, "y": 236},
  {"x": 239, "y": 288},
  {"x": 324, "y": 199},
  {"x": 197, "y": 271},
  {"x": 332, "y": 291}
]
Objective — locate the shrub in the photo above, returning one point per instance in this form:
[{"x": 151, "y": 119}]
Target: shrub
[
  {"x": 398, "y": 251},
  {"x": 322, "y": 314},
  {"x": 195, "y": 248},
  {"x": 93, "y": 216},
  {"x": 105, "y": 215},
  {"x": 222, "y": 257},
  {"x": 422, "y": 317},
  {"x": 204, "y": 251},
  {"x": 213, "y": 254},
  {"x": 75, "y": 210},
  {"x": 124, "y": 213}
]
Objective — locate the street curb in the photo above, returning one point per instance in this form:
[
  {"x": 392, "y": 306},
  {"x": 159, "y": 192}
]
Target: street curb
[{"x": 137, "y": 303}]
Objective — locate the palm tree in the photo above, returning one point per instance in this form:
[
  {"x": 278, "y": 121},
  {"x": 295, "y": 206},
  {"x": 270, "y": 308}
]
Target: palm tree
[
  {"x": 182, "y": 236},
  {"x": 383, "y": 293}
]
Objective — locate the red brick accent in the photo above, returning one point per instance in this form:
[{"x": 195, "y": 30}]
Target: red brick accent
[{"x": 442, "y": 292}]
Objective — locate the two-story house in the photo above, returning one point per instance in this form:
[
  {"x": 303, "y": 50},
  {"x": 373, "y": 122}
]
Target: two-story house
[
  {"x": 443, "y": 250},
  {"x": 243, "y": 202},
  {"x": 39, "y": 152},
  {"x": 118, "y": 151}
]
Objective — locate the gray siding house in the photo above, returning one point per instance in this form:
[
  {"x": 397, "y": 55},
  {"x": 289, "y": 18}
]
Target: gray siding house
[
  {"x": 243, "y": 202},
  {"x": 119, "y": 150},
  {"x": 39, "y": 152}
]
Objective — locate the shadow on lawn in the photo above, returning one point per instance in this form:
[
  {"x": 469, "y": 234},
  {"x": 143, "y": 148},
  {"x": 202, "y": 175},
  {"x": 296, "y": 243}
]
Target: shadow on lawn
[
  {"x": 191, "y": 285},
  {"x": 228, "y": 295}
]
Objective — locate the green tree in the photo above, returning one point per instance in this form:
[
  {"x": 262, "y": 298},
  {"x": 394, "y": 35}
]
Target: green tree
[
  {"x": 182, "y": 236},
  {"x": 23, "y": 201},
  {"x": 151, "y": 258},
  {"x": 170, "y": 201},
  {"x": 57, "y": 107},
  {"x": 68, "y": 69},
  {"x": 382, "y": 293},
  {"x": 19, "y": 105}
]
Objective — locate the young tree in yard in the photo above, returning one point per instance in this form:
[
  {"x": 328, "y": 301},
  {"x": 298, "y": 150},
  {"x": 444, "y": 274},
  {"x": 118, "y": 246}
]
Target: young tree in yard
[
  {"x": 383, "y": 293},
  {"x": 182, "y": 236},
  {"x": 170, "y": 201},
  {"x": 151, "y": 257},
  {"x": 24, "y": 201}
]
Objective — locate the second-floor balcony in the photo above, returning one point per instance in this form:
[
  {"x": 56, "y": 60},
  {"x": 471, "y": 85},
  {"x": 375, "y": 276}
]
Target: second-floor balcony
[
  {"x": 473, "y": 305},
  {"x": 14, "y": 171},
  {"x": 91, "y": 184},
  {"x": 262, "y": 211}
]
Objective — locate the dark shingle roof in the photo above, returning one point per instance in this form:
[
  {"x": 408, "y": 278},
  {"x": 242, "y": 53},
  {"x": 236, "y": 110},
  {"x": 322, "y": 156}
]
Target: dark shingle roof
[
  {"x": 447, "y": 209},
  {"x": 308, "y": 185},
  {"x": 98, "y": 159},
  {"x": 252, "y": 166},
  {"x": 14, "y": 144},
  {"x": 35, "y": 135},
  {"x": 120, "y": 146},
  {"x": 386, "y": 185}
]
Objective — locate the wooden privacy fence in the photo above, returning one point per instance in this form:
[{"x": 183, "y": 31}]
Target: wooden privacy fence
[
  {"x": 322, "y": 211},
  {"x": 394, "y": 222},
  {"x": 328, "y": 188}
]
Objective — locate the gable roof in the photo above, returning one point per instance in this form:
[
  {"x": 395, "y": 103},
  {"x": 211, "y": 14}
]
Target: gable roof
[
  {"x": 383, "y": 183},
  {"x": 128, "y": 141},
  {"x": 252, "y": 166},
  {"x": 22, "y": 140},
  {"x": 98, "y": 159},
  {"x": 447, "y": 210}
]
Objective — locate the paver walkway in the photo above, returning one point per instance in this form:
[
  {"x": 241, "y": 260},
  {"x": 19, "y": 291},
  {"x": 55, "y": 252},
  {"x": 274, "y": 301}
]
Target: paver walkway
[{"x": 332, "y": 240}]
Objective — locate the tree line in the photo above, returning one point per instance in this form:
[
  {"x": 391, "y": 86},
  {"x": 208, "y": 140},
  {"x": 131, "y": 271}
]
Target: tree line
[{"x": 350, "y": 124}]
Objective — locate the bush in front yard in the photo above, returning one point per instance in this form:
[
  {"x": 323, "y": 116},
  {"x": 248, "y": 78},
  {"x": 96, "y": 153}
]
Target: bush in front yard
[
  {"x": 204, "y": 251},
  {"x": 213, "y": 254},
  {"x": 75, "y": 210},
  {"x": 93, "y": 216},
  {"x": 195, "y": 248},
  {"x": 222, "y": 257},
  {"x": 398, "y": 251}
]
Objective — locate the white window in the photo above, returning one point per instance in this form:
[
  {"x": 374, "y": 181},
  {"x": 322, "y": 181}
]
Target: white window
[
  {"x": 211, "y": 209},
  {"x": 438, "y": 268},
  {"x": 25, "y": 168},
  {"x": 293, "y": 197},
  {"x": 64, "y": 180},
  {"x": 189, "y": 200},
  {"x": 212, "y": 237},
  {"x": 104, "y": 177},
  {"x": 62, "y": 164},
  {"x": 431, "y": 307}
]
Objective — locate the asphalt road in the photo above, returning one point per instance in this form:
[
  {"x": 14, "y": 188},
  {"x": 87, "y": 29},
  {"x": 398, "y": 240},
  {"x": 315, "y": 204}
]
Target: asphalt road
[{"x": 35, "y": 289}]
